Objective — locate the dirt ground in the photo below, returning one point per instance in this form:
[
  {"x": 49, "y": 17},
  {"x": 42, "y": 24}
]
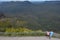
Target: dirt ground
[{"x": 27, "y": 38}]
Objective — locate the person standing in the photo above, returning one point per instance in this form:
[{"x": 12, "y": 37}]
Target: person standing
[
  {"x": 47, "y": 33},
  {"x": 51, "y": 34}
]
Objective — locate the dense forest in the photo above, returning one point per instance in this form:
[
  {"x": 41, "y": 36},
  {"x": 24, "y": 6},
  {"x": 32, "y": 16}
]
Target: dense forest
[{"x": 31, "y": 15}]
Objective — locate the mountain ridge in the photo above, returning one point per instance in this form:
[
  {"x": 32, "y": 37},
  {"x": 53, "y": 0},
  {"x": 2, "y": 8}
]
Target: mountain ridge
[{"x": 45, "y": 16}]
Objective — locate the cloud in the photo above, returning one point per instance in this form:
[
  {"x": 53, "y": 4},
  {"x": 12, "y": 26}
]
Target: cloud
[{"x": 12, "y": 0}]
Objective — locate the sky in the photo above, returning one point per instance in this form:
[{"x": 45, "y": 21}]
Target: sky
[{"x": 30, "y": 0}]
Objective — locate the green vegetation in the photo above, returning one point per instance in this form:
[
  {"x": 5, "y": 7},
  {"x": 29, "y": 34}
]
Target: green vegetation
[
  {"x": 9, "y": 28},
  {"x": 21, "y": 17}
]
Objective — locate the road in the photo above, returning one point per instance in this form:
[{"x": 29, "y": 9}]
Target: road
[{"x": 27, "y": 38}]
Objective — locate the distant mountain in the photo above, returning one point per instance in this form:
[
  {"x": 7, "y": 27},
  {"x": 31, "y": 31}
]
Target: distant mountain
[{"x": 42, "y": 15}]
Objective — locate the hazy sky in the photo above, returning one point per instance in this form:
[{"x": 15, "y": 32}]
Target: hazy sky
[{"x": 29, "y": 0}]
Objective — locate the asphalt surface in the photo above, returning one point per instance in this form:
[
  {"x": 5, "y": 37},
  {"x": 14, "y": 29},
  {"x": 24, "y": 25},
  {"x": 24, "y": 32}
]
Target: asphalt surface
[{"x": 27, "y": 38}]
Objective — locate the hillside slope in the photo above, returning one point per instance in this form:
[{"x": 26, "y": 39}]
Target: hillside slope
[{"x": 44, "y": 16}]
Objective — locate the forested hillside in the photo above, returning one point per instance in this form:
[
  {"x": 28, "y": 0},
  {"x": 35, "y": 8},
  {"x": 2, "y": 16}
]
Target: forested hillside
[{"x": 35, "y": 16}]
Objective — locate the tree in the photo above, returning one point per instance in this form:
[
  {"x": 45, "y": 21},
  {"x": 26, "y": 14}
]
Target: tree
[{"x": 2, "y": 15}]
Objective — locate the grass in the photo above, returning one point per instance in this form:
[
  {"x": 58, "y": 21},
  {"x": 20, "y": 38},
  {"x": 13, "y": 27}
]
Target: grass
[{"x": 23, "y": 34}]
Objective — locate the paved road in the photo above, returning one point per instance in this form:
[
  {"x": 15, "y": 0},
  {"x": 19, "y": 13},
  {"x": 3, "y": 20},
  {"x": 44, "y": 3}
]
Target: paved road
[{"x": 27, "y": 38}]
